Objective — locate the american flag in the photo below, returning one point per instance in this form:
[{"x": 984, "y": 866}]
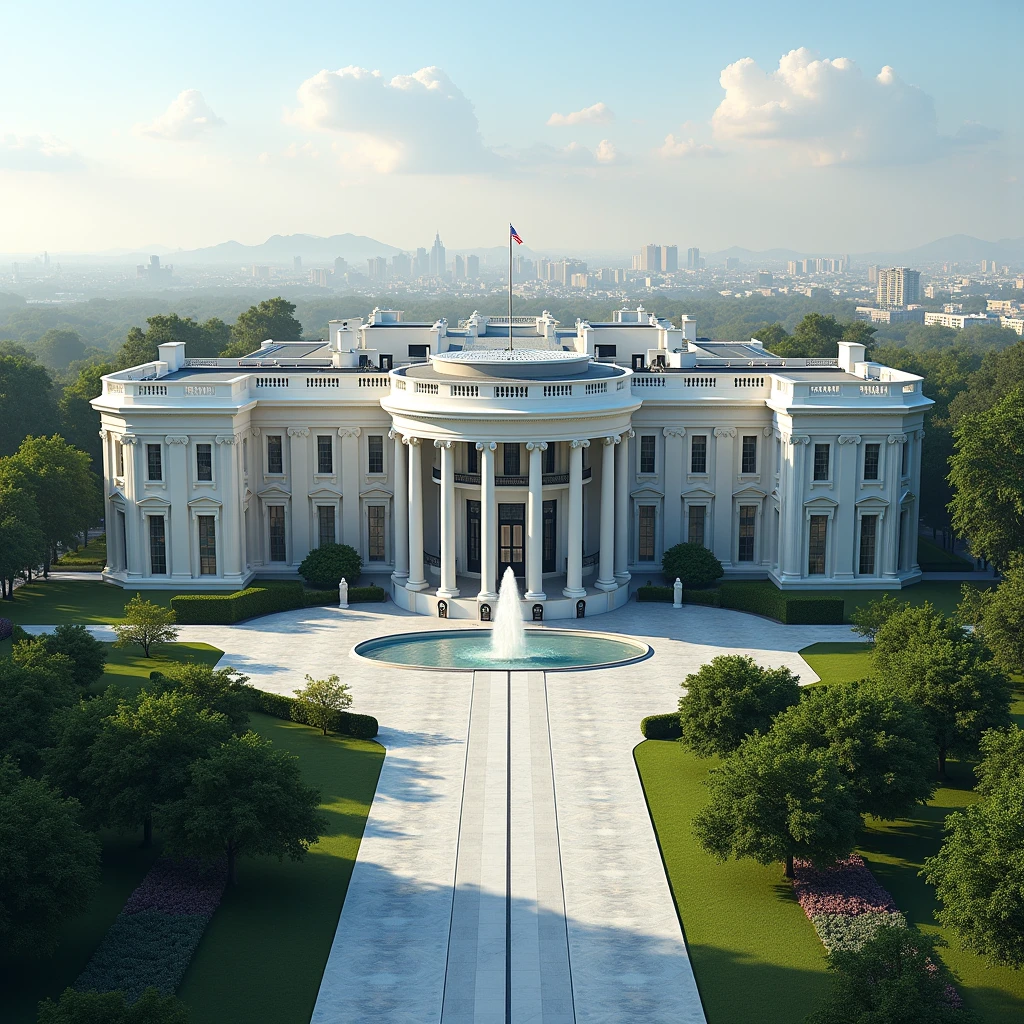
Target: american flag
[{"x": 514, "y": 234}]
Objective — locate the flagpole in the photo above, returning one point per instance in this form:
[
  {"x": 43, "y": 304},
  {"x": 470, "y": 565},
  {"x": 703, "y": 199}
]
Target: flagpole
[{"x": 510, "y": 289}]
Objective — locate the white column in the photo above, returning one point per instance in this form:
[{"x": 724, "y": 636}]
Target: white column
[
  {"x": 917, "y": 452},
  {"x": 844, "y": 521},
  {"x": 135, "y": 490},
  {"x": 227, "y": 457},
  {"x": 574, "y": 548},
  {"x": 535, "y": 525},
  {"x": 448, "y": 586},
  {"x": 177, "y": 529},
  {"x": 488, "y": 522},
  {"x": 791, "y": 555},
  {"x": 401, "y": 509},
  {"x": 416, "y": 581},
  {"x": 299, "y": 544},
  {"x": 606, "y": 564},
  {"x": 622, "y": 575},
  {"x": 673, "y": 521},
  {"x": 350, "y": 533},
  {"x": 894, "y": 453},
  {"x": 724, "y": 485}
]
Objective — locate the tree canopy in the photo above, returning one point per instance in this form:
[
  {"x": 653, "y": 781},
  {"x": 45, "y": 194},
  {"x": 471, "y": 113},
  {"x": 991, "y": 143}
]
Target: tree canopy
[
  {"x": 27, "y": 402},
  {"x": 145, "y": 623},
  {"x": 271, "y": 319},
  {"x": 202, "y": 340},
  {"x": 320, "y": 700},
  {"x": 113, "y": 1008},
  {"x": 22, "y": 544}
]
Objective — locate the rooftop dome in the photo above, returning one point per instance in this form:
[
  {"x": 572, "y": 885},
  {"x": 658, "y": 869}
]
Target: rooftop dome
[{"x": 518, "y": 363}]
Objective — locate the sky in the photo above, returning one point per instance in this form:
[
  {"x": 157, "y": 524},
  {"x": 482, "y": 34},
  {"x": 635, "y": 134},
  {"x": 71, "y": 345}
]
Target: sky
[{"x": 812, "y": 126}]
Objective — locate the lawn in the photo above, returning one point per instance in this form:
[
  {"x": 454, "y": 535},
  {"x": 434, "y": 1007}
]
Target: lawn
[
  {"x": 933, "y": 558},
  {"x": 755, "y": 955},
  {"x": 91, "y": 558},
  {"x": 839, "y": 662},
  {"x": 54, "y": 602}
]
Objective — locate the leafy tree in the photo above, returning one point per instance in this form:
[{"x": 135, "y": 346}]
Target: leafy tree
[
  {"x": 817, "y": 335},
  {"x": 244, "y": 800},
  {"x": 1002, "y": 759},
  {"x": 57, "y": 349},
  {"x": 728, "y": 699},
  {"x": 320, "y": 701},
  {"x": 26, "y": 401},
  {"x": 271, "y": 319},
  {"x": 76, "y": 728},
  {"x": 88, "y": 655},
  {"x": 79, "y": 421},
  {"x": 998, "y": 616},
  {"x": 869, "y": 618},
  {"x": 896, "y": 977},
  {"x": 22, "y": 546},
  {"x": 859, "y": 332},
  {"x": 694, "y": 564},
  {"x": 202, "y": 340},
  {"x": 774, "y": 802},
  {"x": 145, "y": 624},
  {"x": 112, "y": 1008},
  {"x": 881, "y": 742},
  {"x": 326, "y": 565},
  {"x": 50, "y": 864},
  {"x": 223, "y": 690},
  {"x": 770, "y": 335}
]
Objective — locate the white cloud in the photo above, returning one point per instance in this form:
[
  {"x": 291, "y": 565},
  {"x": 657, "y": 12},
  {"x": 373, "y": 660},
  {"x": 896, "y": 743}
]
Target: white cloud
[
  {"x": 36, "y": 153},
  {"x": 972, "y": 133},
  {"x": 598, "y": 113},
  {"x": 680, "y": 149},
  {"x": 187, "y": 117},
  {"x": 606, "y": 153}
]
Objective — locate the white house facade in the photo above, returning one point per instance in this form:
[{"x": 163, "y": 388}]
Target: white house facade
[{"x": 575, "y": 456}]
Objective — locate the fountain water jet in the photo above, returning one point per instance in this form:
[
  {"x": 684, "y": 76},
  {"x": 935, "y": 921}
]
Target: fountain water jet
[{"x": 508, "y": 637}]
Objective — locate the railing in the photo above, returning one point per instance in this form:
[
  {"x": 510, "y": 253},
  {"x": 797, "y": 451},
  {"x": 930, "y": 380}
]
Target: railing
[
  {"x": 593, "y": 559},
  {"x": 434, "y": 560},
  {"x": 523, "y": 480}
]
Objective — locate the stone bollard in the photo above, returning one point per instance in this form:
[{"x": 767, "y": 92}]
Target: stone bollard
[
  {"x": 343, "y": 593},
  {"x": 677, "y": 593}
]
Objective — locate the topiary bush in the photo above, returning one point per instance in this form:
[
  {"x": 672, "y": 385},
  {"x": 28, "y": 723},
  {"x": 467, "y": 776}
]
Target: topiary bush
[
  {"x": 693, "y": 564},
  {"x": 662, "y": 727},
  {"x": 366, "y": 595},
  {"x": 652, "y": 593},
  {"x": 326, "y": 565},
  {"x": 277, "y": 705}
]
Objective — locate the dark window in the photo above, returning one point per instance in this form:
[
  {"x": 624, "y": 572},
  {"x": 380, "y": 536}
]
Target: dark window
[
  {"x": 821, "y": 457},
  {"x": 376, "y": 514},
  {"x": 778, "y": 456},
  {"x": 548, "y": 535},
  {"x": 549, "y": 458},
  {"x": 375, "y": 453},
  {"x": 204, "y": 462},
  {"x": 605, "y": 351},
  {"x": 418, "y": 351},
  {"x": 157, "y": 546},
  {"x": 748, "y": 459},
  {"x": 325, "y": 525},
  {"x": 695, "y": 524},
  {"x": 746, "y": 546},
  {"x": 473, "y": 532},
  {"x": 647, "y": 453},
  {"x": 277, "y": 545},
  {"x": 275, "y": 459},
  {"x": 871, "y": 461},
  {"x": 156, "y": 470},
  {"x": 511, "y": 459},
  {"x": 646, "y": 538},
  {"x": 899, "y": 540},
  {"x": 119, "y": 449},
  {"x": 472, "y": 458},
  {"x": 324, "y": 454},
  {"x": 868, "y": 540},
  {"x": 699, "y": 453},
  {"x": 207, "y": 545},
  {"x": 816, "y": 546},
  {"x": 245, "y": 455},
  {"x": 904, "y": 457}
]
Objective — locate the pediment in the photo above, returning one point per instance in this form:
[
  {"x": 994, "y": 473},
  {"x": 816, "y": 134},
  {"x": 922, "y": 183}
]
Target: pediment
[
  {"x": 117, "y": 495},
  {"x": 647, "y": 492},
  {"x": 698, "y": 492},
  {"x": 375, "y": 492},
  {"x": 205, "y": 502},
  {"x": 872, "y": 501},
  {"x": 153, "y": 501},
  {"x": 274, "y": 491},
  {"x": 750, "y": 492},
  {"x": 907, "y": 496},
  {"x": 325, "y": 492},
  {"x": 821, "y": 501}
]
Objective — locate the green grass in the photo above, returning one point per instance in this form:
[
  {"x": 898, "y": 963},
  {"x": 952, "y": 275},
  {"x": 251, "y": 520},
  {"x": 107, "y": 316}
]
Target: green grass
[
  {"x": 91, "y": 558},
  {"x": 54, "y": 602},
  {"x": 755, "y": 955},
  {"x": 128, "y": 669},
  {"x": 839, "y": 662},
  {"x": 933, "y": 558}
]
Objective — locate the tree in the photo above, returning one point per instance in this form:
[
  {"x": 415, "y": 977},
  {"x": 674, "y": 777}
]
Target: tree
[
  {"x": 22, "y": 545},
  {"x": 112, "y": 1008},
  {"x": 50, "y": 864},
  {"x": 145, "y": 624},
  {"x": 998, "y": 616},
  {"x": 773, "y": 802},
  {"x": 26, "y": 401},
  {"x": 57, "y": 349},
  {"x": 320, "y": 701},
  {"x": 817, "y": 334},
  {"x": 88, "y": 655},
  {"x": 326, "y": 565},
  {"x": 202, "y": 340},
  {"x": 896, "y": 977},
  {"x": 224, "y": 690},
  {"x": 244, "y": 800},
  {"x": 76, "y": 728},
  {"x": 770, "y": 335},
  {"x": 868, "y": 619},
  {"x": 79, "y": 421},
  {"x": 881, "y": 742},
  {"x": 271, "y": 319},
  {"x": 694, "y": 564},
  {"x": 730, "y": 698},
  {"x": 1002, "y": 759},
  {"x": 859, "y": 332}
]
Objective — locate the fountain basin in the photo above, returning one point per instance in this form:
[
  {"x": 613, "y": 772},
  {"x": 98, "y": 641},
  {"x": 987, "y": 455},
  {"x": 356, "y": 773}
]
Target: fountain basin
[{"x": 547, "y": 650}]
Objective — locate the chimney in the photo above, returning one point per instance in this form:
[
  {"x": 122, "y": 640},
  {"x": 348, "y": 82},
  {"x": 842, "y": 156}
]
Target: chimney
[
  {"x": 173, "y": 354},
  {"x": 850, "y": 354}
]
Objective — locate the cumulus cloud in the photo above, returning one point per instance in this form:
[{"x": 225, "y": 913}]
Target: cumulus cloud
[
  {"x": 541, "y": 156},
  {"x": 187, "y": 117},
  {"x": 598, "y": 113},
  {"x": 36, "y": 153},
  {"x": 828, "y": 112},
  {"x": 682, "y": 149},
  {"x": 606, "y": 152},
  {"x": 972, "y": 133}
]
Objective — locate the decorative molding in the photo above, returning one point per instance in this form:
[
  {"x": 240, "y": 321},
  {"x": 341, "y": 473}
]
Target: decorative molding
[
  {"x": 583, "y": 442},
  {"x": 444, "y": 443},
  {"x": 490, "y": 446},
  {"x": 674, "y": 431},
  {"x": 298, "y": 431},
  {"x": 129, "y": 439},
  {"x": 394, "y": 435},
  {"x": 725, "y": 431},
  {"x": 611, "y": 439},
  {"x": 226, "y": 439},
  {"x": 800, "y": 439},
  {"x": 347, "y": 431},
  {"x": 920, "y": 435},
  {"x": 629, "y": 434},
  {"x": 897, "y": 439},
  {"x": 767, "y": 431},
  {"x": 849, "y": 439},
  {"x": 255, "y": 431},
  {"x": 415, "y": 442},
  {"x": 540, "y": 446},
  {"x": 176, "y": 439},
  {"x": 103, "y": 434}
]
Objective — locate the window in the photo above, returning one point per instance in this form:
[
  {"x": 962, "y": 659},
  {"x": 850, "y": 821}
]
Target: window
[
  {"x": 548, "y": 522},
  {"x": 899, "y": 540},
  {"x": 472, "y": 458},
  {"x": 778, "y": 455},
  {"x": 549, "y": 458},
  {"x": 604, "y": 351},
  {"x": 204, "y": 462},
  {"x": 868, "y": 540},
  {"x": 746, "y": 546},
  {"x": 376, "y": 513},
  {"x": 904, "y": 458},
  {"x": 418, "y": 351},
  {"x": 472, "y": 533},
  {"x": 277, "y": 545},
  {"x": 816, "y": 546},
  {"x": 325, "y": 525},
  {"x": 207, "y": 545},
  {"x": 821, "y": 460},
  {"x": 157, "y": 546},
  {"x": 275, "y": 457},
  {"x": 646, "y": 536},
  {"x": 748, "y": 458},
  {"x": 695, "y": 519},
  {"x": 699, "y": 453},
  {"x": 647, "y": 453},
  {"x": 245, "y": 456},
  {"x": 511, "y": 459},
  {"x": 375, "y": 453},
  {"x": 871, "y": 461},
  {"x": 324, "y": 454},
  {"x": 156, "y": 470},
  {"x": 119, "y": 452}
]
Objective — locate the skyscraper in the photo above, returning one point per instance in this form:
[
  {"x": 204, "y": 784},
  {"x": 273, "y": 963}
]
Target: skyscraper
[
  {"x": 670, "y": 258},
  {"x": 650, "y": 257},
  {"x": 401, "y": 265},
  {"x": 458, "y": 268},
  {"x": 421, "y": 263},
  {"x": 437, "y": 257},
  {"x": 898, "y": 287},
  {"x": 693, "y": 258},
  {"x": 297, "y": 264},
  {"x": 472, "y": 267},
  {"x": 377, "y": 269},
  {"x": 340, "y": 266}
]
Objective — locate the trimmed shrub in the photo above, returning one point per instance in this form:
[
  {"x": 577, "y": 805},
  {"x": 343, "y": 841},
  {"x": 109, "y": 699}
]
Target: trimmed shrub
[
  {"x": 711, "y": 597},
  {"x": 225, "y": 609},
  {"x": 366, "y": 595},
  {"x": 112, "y": 1008},
  {"x": 791, "y": 609},
  {"x": 19, "y": 635},
  {"x": 277, "y": 705},
  {"x": 662, "y": 727},
  {"x": 326, "y": 565},
  {"x": 6, "y": 628},
  {"x": 317, "y": 598},
  {"x": 693, "y": 564},
  {"x": 651, "y": 593}
]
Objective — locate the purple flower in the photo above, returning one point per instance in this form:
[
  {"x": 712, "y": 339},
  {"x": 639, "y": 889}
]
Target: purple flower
[
  {"x": 178, "y": 887},
  {"x": 846, "y": 888}
]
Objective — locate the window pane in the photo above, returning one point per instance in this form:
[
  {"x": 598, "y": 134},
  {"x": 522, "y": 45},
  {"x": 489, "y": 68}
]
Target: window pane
[
  {"x": 647, "y": 442},
  {"x": 871, "y": 461},
  {"x": 904, "y": 453},
  {"x": 748, "y": 463},
  {"x": 695, "y": 524},
  {"x": 549, "y": 519},
  {"x": 816, "y": 546},
  {"x": 153, "y": 462},
  {"x": 204, "y": 462},
  {"x": 699, "y": 453},
  {"x": 748, "y": 514},
  {"x": 376, "y": 513},
  {"x": 324, "y": 454},
  {"x": 207, "y": 545},
  {"x": 245, "y": 455},
  {"x": 277, "y": 545},
  {"x": 511, "y": 459},
  {"x": 325, "y": 525},
  {"x": 275, "y": 460},
  {"x": 472, "y": 458},
  {"x": 119, "y": 448},
  {"x": 821, "y": 459},
  {"x": 868, "y": 539},
  {"x": 646, "y": 553},
  {"x": 157, "y": 546},
  {"x": 375, "y": 453},
  {"x": 549, "y": 458}
]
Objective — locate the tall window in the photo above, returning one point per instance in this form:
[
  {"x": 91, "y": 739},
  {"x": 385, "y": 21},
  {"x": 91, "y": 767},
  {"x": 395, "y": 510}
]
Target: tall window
[
  {"x": 153, "y": 463},
  {"x": 275, "y": 457},
  {"x": 119, "y": 452},
  {"x": 472, "y": 533},
  {"x": 646, "y": 535},
  {"x": 695, "y": 519},
  {"x": 748, "y": 515},
  {"x": 549, "y": 458},
  {"x": 778, "y": 455},
  {"x": 821, "y": 460},
  {"x": 276, "y": 520},
  {"x": 245, "y": 456},
  {"x": 899, "y": 540},
  {"x": 325, "y": 525},
  {"x": 699, "y": 453},
  {"x": 647, "y": 442},
  {"x": 207, "y": 545},
  {"x": 871, "y": 461},
  {"x": 204, "y": 462},
  {"x": 548, "y": 523},
  {"x": 868, "y": 543},
  {"x": 748, "y": 459},
  {"x": 816, "y": 546},
  {"x": 904, "y": 457},
  {"x": 324, "y": 454},
  {"x": 376, "y": 514},
  {"x": 157, "y": 546},
  {"x": 375, "y": 454},
  {"x": 511, "y": 459},
  {"x": 472, "y": 458}
]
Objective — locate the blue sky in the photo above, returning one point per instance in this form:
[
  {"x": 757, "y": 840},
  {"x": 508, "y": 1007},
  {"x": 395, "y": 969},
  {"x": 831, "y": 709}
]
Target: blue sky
[{"x": 189, "y": 123}]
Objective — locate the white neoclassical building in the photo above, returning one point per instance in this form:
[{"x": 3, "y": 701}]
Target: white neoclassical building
[{"x": 576, "y": 456}]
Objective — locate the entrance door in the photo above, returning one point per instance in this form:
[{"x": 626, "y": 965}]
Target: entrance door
[
  {"x": 550, "y": 519},
  {"x": 512, "y": 538},
  {"x": 472, "y": 536}
]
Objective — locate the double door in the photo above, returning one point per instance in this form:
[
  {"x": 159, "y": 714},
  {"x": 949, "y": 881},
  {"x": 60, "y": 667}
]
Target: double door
[{"x": 511, "y": 537}]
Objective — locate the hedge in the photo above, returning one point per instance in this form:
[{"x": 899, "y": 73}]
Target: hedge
[
  {"x": 366, "y": 595},
  {"x": 314, "y": 598},
  {"x": 791, "y": 609},
  {"x": 709, "y": 597},
  {"x": 277, "y": 705},
  {"x": 652, "y": 593},
  {"x": 225, "y": 609},
  {"x": 662, "y": 727}
]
